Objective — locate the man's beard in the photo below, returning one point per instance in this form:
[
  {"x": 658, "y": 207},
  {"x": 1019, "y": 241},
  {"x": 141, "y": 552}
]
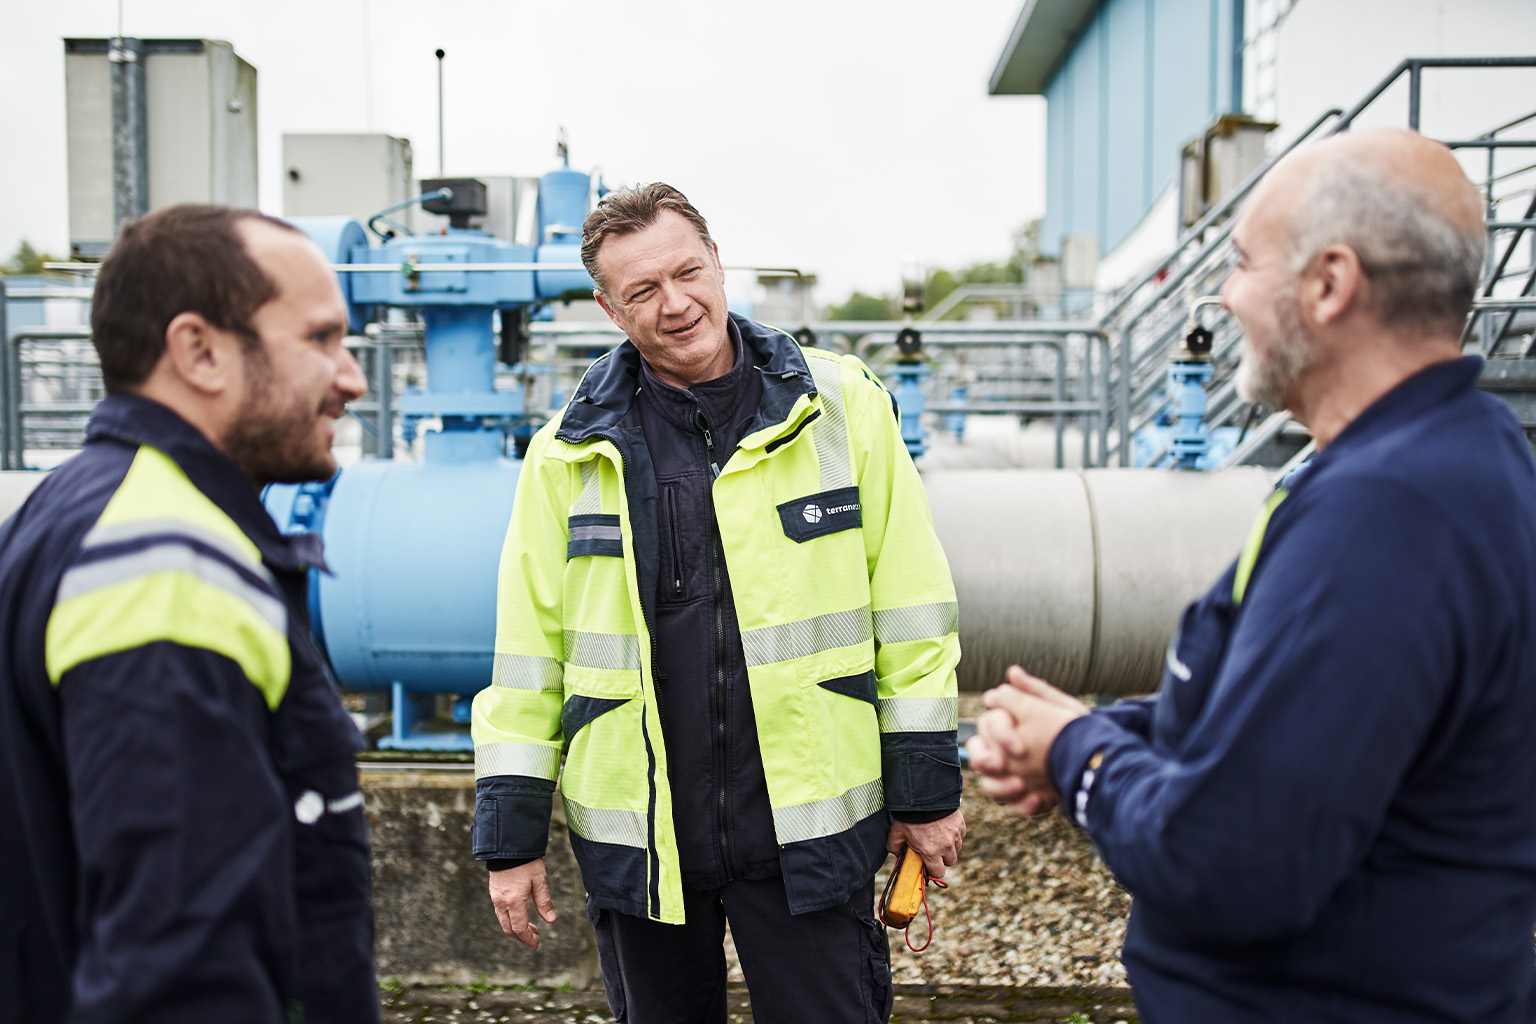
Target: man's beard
[
  {"x": 1265, "y": 380},
  {"x": 271, "y": 437}
]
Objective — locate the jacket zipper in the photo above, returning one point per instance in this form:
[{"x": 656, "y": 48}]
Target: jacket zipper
[
  {"x": 653, "y": 854},
  {"x": 721, "y": 733},
  {"x": 677, "y": 551}
]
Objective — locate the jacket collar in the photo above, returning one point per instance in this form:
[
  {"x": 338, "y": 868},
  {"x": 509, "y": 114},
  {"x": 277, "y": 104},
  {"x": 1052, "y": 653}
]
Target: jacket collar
[
  {"x": 605, "y": 399},
  {"x": 136, "y": 420},
  {"x": 1434, "y": 385}
]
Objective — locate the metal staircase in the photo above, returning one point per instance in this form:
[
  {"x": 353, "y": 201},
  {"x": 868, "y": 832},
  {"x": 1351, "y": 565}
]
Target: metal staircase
[{"x": 1147, "y": 321}]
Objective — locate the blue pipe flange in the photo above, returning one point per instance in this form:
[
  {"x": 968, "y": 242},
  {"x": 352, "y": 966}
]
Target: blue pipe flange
[{"x": 337, "y": 238}]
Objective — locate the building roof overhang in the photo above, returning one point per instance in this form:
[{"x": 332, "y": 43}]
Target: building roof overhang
[{"x": 1041, "y": 39}]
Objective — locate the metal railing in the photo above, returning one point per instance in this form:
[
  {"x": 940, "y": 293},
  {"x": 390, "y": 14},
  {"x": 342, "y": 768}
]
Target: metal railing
[
  {"x": 1146, "y": 319},
  {"x": 1104, "y": 377}
]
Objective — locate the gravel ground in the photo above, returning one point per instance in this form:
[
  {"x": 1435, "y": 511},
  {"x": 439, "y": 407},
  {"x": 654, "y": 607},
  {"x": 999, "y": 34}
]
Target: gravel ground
[
  {"x": 1029, "y": 903},
  {"x": 1028, "y": 930}
]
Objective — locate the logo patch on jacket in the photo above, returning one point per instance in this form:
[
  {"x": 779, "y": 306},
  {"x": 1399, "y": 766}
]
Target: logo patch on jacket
[{"x": 817, "y": 515}]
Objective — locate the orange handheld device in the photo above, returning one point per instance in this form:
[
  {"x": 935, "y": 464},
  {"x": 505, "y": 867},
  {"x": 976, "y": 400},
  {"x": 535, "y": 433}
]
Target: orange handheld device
[{"x": 903, "y": 896}]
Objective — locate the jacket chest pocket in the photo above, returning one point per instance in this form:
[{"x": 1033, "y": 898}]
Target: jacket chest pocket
[{"x": 686, "y": 538}]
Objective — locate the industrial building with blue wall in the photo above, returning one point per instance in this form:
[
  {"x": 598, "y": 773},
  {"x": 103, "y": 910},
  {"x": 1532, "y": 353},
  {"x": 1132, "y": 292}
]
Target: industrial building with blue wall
[{"x": 1127, "y": 83}]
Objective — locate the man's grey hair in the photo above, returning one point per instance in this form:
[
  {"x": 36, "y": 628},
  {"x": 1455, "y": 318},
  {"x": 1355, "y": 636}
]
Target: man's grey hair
[
  {"x": 1423, "y": 268},
  {"x": 630, "y": 210}
]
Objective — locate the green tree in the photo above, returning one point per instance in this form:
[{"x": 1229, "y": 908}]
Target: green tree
[
  {"x": 1026, "y": 248},
  {"x": 865, "y": 307},
  {"x": 25, "y": 260},
  {"x": 937, "y": 288}
]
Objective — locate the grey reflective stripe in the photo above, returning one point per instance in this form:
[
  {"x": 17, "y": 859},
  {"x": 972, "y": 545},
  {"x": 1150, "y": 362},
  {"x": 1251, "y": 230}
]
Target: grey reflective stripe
[
  {"x": 346, "y": 803},
  {"x": 606, "y": 825},
  {"x": 832, "y": 433},
  {"x": 919, "y": 714},
  {"x": 808, "y": 636},
  {"x": 916, "y": 622},
  {"x": 596, "y": 533},
  {"x": 526, "y": 672},
  {"x": 173, "y": 555},
  {"x": 830, "y": 816},
  {"x": 537, "y": 760},
  {"x": 602, "y": 650},
  {"x": 114, "y": 533},
  {"x": 589, "y": 501}
]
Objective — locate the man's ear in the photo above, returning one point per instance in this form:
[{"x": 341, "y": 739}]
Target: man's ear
[
  {"x": 204, "y": 358},
  {"x": 1331, "y": 285},
  {"x": 607, "y": 308}
]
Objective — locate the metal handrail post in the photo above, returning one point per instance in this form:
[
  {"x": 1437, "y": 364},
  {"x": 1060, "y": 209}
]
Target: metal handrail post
[
  {"x": 1105, "y": 357},
  {"x": 1415, "y": 76},
  {"x": 1125, "y": 399},
  {"x": 1087, "y": 389},
  {"x": 15, "y": 447},
  {"x": 1058, "y": 421},
  {"x": 5, "y": 388}
]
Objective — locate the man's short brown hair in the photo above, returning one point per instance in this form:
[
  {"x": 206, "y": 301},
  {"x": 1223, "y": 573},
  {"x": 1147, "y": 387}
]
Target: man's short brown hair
[
  {"x": 187, "y": 258},
  {"x": 629, "y": 210}
]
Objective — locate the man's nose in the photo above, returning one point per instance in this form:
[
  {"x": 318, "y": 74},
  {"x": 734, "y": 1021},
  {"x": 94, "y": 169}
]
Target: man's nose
[
  {"x": 349, "y": 376},
  {"x": 674, "y": 299}
]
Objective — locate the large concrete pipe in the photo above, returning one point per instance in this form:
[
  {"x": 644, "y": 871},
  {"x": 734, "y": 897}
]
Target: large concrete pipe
[{"x": 1080, "y": 576}]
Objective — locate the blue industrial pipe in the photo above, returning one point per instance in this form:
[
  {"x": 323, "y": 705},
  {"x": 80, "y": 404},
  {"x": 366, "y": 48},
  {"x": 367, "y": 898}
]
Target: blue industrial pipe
[
  {"x": 954, "y": 422},
  {"x": 912, "y": 403},
  {"x": 410, "y": 606},
  {"x": 462, "y": 355},
  {"x": 1190, "y": 439}
]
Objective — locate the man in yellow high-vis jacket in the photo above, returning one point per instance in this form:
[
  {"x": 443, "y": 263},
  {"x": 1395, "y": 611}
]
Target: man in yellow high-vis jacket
[{"x": 722, "y": 603}]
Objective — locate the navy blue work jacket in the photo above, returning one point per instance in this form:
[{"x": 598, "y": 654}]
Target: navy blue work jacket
[
  {"x": 1328, "y": 812},
  {"x": 174, "y": 847}
]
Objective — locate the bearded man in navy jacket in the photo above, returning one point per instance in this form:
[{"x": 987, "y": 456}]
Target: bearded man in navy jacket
[{"x": 1328, "y": 811}]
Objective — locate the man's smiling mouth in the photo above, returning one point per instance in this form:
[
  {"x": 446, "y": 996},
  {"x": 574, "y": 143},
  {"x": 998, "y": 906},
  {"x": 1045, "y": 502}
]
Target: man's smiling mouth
[{"x": 687, "y": 327}]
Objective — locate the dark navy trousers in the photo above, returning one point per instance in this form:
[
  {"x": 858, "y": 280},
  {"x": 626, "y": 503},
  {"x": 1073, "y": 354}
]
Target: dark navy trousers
[{"x": 830, "y": 966}]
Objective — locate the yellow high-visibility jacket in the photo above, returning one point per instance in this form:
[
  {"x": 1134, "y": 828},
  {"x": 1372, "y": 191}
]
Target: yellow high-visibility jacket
[{"x": 848, "y": 623}]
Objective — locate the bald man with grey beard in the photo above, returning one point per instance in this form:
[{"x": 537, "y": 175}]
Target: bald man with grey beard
[{"x": 1328, "y": 811}]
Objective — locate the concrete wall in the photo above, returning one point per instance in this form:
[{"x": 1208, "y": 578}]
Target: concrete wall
[{"x": 433, "y": 915}]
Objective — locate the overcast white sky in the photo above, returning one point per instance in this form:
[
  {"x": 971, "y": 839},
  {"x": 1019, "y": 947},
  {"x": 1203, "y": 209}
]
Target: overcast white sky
[{"x": 837, "y": 136}]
